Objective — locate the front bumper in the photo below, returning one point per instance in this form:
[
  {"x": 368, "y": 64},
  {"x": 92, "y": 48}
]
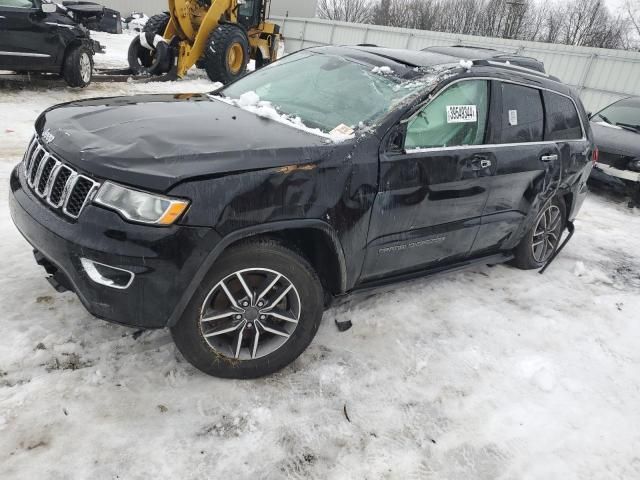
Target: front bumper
[{"x": 164, "y": 260}]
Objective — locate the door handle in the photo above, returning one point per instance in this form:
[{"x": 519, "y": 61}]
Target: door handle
[
  {"x": 480, "y": 163},
  {"x": 549, "y": 158}
]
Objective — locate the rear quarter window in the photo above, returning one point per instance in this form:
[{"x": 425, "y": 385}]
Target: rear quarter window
[
  {"x": 522, "y": 115},
  {"x": 563, "y": 121}
]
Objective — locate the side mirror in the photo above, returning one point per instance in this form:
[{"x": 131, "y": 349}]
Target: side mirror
[{"x": 49, "y": 8}]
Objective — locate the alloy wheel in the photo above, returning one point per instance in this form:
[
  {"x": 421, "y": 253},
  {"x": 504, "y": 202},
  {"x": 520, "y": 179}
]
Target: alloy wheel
[
  {"x": 250, "y": 314},
  {"x": 546, "y": 234},
  {"x": 85, "y": 67}
]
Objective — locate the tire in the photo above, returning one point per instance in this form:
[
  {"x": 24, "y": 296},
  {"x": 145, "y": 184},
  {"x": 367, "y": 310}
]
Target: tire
[
  {"x": 77, "y": 70},
  {"x": 157, "y": 24},
  {"x": 212, "y": 345},
  {"x": 530, "y": 254},
  {"x": 227, "y": 53},
  {"x": 144, "y": 62}
]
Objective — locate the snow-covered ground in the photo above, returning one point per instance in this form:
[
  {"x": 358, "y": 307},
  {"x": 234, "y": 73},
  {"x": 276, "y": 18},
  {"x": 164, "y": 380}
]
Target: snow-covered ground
[{"x": 490, "y": 373}]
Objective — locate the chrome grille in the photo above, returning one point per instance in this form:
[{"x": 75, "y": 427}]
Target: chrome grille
[{"x": 58, "y": 184}]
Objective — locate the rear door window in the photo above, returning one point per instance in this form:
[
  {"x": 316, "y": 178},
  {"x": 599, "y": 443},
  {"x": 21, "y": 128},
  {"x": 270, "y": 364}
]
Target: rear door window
[
  {"x": 563, "y": 121},
  {"x": 456, "y": 117},
  {"x": 522, "y": 115}
]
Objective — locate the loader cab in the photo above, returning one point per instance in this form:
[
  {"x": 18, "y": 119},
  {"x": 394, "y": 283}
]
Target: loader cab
[{"x": 250, "y": 13}]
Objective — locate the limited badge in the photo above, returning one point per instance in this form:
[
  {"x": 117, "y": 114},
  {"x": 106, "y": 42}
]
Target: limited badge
[{"x": 462, "y": 114}]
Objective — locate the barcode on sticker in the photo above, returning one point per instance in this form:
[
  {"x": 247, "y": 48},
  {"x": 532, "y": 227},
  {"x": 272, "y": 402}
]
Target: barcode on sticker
[{"x": 461, "y": 114}]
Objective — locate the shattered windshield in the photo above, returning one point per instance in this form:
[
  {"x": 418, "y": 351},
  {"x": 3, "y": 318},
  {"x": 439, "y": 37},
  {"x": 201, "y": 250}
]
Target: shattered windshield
[{"x": 325, "y": 92}]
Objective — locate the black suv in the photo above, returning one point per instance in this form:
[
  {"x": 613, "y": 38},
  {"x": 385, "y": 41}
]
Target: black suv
[
  {"x": 38, "y": 36},
  {"x": 235, "y": 218}
]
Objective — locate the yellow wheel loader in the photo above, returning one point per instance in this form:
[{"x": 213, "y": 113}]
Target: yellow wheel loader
[{"x": 220, "y": 36}]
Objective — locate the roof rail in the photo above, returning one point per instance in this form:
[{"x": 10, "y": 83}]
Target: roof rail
[{"x": 508, "y": 64}]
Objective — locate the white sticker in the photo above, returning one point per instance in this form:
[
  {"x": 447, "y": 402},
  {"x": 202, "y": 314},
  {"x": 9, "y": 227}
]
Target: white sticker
[
  {"x": 462, "y": 114},
  {"x": 513, "y": 117}
]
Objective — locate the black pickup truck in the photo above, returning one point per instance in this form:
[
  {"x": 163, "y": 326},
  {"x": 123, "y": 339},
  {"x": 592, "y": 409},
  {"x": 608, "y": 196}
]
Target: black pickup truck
[{"x": 234, "y": 218}]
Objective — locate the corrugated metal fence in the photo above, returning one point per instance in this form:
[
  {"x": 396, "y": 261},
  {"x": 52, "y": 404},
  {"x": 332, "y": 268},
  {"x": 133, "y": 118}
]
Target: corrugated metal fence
[{"x": 600, "y": 75}]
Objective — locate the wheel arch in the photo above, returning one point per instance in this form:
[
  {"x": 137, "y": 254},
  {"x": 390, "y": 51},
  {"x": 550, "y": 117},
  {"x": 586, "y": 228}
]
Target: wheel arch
[{"x": 314, "y": 238}]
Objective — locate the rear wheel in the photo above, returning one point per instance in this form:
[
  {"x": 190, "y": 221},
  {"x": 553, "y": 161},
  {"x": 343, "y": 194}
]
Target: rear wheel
[
  {"x": 78, "y": 67},
  {"x": 538, "y": 245},
  {"x": 227, "y": 53},
  {"x": 256, "y": 311}
]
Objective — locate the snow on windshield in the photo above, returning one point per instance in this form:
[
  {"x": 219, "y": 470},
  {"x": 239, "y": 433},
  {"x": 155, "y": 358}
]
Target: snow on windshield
[{"x": 250, "y": 101}]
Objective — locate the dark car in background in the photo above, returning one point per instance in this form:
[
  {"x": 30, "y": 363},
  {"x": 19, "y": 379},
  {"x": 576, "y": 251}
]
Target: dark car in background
[
  {"x": 330, "y": 171},
  {"x": 39, "y": 37},
  {"x": 616, "y": 130}
]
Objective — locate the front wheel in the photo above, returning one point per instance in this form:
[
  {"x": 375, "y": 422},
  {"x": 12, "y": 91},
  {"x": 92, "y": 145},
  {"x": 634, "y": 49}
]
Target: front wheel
[
  {"x": 78, "y": 67},
  {"x": 256, "y": 311},
  {"x": 227, "y": 53},
  {"x": 538, "y": 245}
]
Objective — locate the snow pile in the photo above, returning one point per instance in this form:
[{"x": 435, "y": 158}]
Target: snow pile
[
  {"x": 250, "y": 101},
  {"x": 382, "y": 70},
  {"x": 466, "y": 64}
]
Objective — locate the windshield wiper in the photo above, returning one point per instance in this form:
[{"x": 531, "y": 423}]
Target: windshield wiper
[
  {"x": 629, "y": 126},
  {"x": 605, "y": 119}
]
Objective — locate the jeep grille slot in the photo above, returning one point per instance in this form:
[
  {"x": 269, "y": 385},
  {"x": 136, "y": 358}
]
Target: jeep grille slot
[{"x": 61, "y": 186}]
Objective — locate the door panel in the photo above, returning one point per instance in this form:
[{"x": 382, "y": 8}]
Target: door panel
[
  {"x": 431, "y": 197},
  {"x": 527, "y": 168},
  {"x": 26, "y": 40},
  {"x": 522, "y": 184},
  {"x": 428, "y": 209}
]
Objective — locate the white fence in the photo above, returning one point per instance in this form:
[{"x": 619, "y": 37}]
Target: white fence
[{"x": 600, "y": 75}]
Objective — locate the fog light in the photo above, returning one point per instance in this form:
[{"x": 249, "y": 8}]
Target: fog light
[
  {"x": 107, "y": 275},
  {"x": 635, "y": 165}
]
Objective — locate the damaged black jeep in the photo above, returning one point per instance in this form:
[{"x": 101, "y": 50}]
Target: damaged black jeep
[{"x": 235, "y": 218}]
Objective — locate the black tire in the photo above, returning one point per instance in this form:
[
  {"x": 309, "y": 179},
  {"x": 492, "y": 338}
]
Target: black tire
[
  {"x": 144, "y": 62},
  {"x": 264, "y": 254},
  {"x": 77, "y": 70},
  {"x": 216, "y": 57},
  {"x": 157, "y": 24},
  {"x": 525, "y": 257}
]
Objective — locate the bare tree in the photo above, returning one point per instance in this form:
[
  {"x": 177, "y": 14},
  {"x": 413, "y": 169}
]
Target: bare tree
[
  {"x": 574, "y": 22},
  {"x": 633, "y": 9},
  {"x": 354, "y": 11}
]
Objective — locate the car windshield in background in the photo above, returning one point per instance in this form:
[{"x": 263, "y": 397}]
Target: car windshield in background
[
  {"x": 625, "y": 114},
  {"x": 327, "y": 91}
]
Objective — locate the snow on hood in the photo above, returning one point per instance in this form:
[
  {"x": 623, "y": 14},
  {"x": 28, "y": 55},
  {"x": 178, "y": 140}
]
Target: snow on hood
[{"x": 250, "y": 101}]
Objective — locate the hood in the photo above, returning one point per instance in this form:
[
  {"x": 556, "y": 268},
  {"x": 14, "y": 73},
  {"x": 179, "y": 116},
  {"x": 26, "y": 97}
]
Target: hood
[
  {"x": 616, "y": 140},
  {"x": 155, "y": 141}
]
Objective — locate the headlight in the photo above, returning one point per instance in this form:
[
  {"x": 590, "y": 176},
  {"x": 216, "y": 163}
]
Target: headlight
[
  {"x": 140, "y": 206},
  {"x": 635, "y": 165}
]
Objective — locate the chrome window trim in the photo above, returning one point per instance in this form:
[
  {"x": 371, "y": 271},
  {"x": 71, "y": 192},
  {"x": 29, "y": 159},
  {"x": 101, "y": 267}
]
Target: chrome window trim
[
  {"x": 24, "y": 54},
  {"x": 425, "y": 103},
  {"x": 56, "y": 24}
]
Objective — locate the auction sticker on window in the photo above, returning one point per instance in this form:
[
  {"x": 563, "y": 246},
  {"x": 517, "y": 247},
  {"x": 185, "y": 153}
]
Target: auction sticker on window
[{"x": 462, "y": 114}]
